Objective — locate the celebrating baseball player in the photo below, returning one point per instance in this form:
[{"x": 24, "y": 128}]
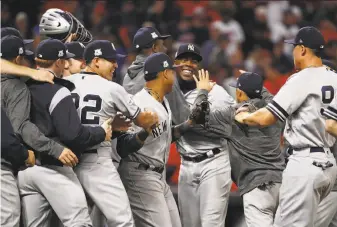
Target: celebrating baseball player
[
  {"x": 327, "y": 209},
  {"x": 205, "y": 174},
  {"x": 75, "y": 64},
  {"x": 97, "y": 99},
  {"x": 54, "y": 113},
  {"x": 147, "y": 41},
  {"x": 311, "y": 170},
  {"x": 255, "y": 155}
]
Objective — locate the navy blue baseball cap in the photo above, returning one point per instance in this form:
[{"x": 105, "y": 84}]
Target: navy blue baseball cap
[
  {"x": 250, "y": 83},
  {"x": 52, "y": 49},
  {"x": 14, "y": 32},
  {"x": 77, "y": 48},
  {"x": 156, "y": 63},
  {"x": 145, "y": 37},
  {"x": 188, "y": 48},
  {"x": 309, "y": 37},
  {"x": 101, "y": 49},
  {"x": 12, "y": 46}
]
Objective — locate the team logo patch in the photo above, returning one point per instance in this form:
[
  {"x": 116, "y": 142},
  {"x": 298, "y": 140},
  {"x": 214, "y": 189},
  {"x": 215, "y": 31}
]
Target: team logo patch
[
  {"x": 21, "y": 50},
  {"x": 165, "y": 64},
  {"x": 98, "y": 52},
  {"x": 61, "y": 53},
  {"x": 190, "y": 47},
  {"x": 154, "y": 35}
]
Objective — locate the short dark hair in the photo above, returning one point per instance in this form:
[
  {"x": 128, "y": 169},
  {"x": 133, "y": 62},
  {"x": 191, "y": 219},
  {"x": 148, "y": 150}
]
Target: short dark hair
[
  {"x": 317, "y": 52},
  {"x": 151, "y": 76}
]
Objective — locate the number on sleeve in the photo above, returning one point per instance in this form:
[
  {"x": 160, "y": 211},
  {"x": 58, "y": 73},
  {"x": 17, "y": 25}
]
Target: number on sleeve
[
  {"x": 328, "y": 93},
  {"x": 93, "y": 109}
]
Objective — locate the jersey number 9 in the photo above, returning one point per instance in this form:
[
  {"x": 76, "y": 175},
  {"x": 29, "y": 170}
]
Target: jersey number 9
[{"x": 86, "y": 109}]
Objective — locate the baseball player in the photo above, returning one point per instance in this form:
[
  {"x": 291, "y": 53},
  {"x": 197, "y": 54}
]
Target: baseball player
[
  {"x": 327, "y": 209},
  {"x": 205, "y": 173},
  {"x": 13, "y": 156},
  {"x": 142, "y": 172},
  {"x": 77, "y": 63},
  {"x": 54, "y": 112},
  {"x": 311, "y": 170},
  {"x": 147, "y": 41},
  {"x": 255, "y": 155},
  {"x": 97, "y": 99}
]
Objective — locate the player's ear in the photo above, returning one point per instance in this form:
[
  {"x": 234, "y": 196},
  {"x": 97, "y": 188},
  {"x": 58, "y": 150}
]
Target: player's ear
[
  {"x": 18, "y": 60},
  {"x": 96, "y": 62},
  {"x": 303, "y": 50},
  {"x": 82, "y": 64}
]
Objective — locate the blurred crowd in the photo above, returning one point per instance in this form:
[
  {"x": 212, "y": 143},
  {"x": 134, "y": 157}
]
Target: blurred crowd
[{"x": 232, "y": 34}]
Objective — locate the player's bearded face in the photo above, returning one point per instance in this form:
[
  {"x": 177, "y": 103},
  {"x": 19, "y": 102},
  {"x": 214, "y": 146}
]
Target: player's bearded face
[{"x": 188, "y": 68}]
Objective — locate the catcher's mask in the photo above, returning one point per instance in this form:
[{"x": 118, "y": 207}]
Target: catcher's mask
[{"x": 59, "y": 24}]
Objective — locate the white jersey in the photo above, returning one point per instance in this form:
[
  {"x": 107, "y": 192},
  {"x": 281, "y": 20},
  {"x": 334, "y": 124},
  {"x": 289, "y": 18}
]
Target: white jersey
[
  {"x": 72, "y": 78},
  {"x": 331, "y": 111},
  {"x": 300, "y": 102},
  {"x": 97, "y": 99},
  {"x": 156, "y": 147}
]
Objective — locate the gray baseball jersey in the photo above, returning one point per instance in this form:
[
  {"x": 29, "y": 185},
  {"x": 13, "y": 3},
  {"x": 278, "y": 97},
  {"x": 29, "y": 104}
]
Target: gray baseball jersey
[
  {"x": 299, "y": 103},
  {"x": 255, "y": 154},
  {"x": 331, "y": 113},
  {"x": 156, "y": 147},
  {"x": 199, "y": 140},
  {"x": 97, "y": 100}
]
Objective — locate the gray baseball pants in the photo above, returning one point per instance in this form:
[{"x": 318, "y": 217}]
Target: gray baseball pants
[
  {"x": 327, "y": 211},
  {"x": 10, "y": 200},
  {"x": 203, "y": 191},
  {"x": 151, "y": 199},
  {"x": 304, "y": 186},
  {"x": 260, "y": 206},
  {"x": 47, "y": 188},
  {"x": 103, "y": 185}
]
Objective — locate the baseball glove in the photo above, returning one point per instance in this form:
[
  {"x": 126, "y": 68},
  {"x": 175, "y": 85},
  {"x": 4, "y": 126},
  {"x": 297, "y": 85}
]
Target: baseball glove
[{"x": 200, "y": 112}]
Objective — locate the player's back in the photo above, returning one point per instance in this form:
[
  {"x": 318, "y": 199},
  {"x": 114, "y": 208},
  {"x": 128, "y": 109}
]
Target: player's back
[{"x": 312, "y": 89}]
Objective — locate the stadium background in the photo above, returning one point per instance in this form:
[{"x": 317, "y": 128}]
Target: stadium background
[{"x": 232, "y": 35}]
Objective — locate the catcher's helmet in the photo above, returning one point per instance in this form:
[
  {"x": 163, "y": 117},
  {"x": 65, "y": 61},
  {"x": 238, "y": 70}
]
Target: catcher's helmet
[{"x": 59, "y": 24}]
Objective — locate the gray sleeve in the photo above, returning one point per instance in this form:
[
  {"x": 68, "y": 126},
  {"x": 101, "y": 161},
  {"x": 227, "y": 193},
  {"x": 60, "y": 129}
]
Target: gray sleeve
[
  {"x": 18, "y": 111},
  {"x": 124, "y": 103},
  {"x": 284, "y": 103},
  {"x": 221, "y": 120},
  {"x": 331, "y": 111},
  {"x": 266, "y": 95}
]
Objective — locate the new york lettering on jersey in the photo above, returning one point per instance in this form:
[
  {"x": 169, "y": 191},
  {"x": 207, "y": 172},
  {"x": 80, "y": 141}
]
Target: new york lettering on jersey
[
  {"x": 315, "y": 89},
  {"x": 156, "y": 146}
]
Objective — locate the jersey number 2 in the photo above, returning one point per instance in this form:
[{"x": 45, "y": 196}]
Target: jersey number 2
[
  {"x": 86, "y": 109},
  {"x": 328, "y": 93}
]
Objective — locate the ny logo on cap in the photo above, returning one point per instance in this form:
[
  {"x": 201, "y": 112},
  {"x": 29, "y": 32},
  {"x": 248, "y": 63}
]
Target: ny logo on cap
[
  {"x": 190, "y": 47},
  {"x": 81, "y": 44},
  {"x": 61, "y": 54},
  {"x": 98, "y": 52},
  {"x": 20, "y": 50},
  {"x": 154, "y": 35},
  {"x": 165, "y": 64}
]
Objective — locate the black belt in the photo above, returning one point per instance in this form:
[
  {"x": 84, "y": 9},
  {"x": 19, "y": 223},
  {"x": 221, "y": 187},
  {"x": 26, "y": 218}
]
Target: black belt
[
  {"x": 93, "y": 151},
  {"x": 312, "y": 150},
  {"x": 142, "y": 166},
  {"x": 202, "y": 157}
]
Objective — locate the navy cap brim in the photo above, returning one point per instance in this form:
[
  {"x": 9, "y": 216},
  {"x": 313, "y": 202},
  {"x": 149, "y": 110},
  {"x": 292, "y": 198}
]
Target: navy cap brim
[
  {"x": 164, "y": 37},
  {"x": 114, "y": 57},
  {"x": 29, "y": 53},
  {"x": 198, "y": 56},
  {"x": 69, "y": 55},
  {"x": 28, "y": 41},
  {"x": 290, "y": 41}
]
